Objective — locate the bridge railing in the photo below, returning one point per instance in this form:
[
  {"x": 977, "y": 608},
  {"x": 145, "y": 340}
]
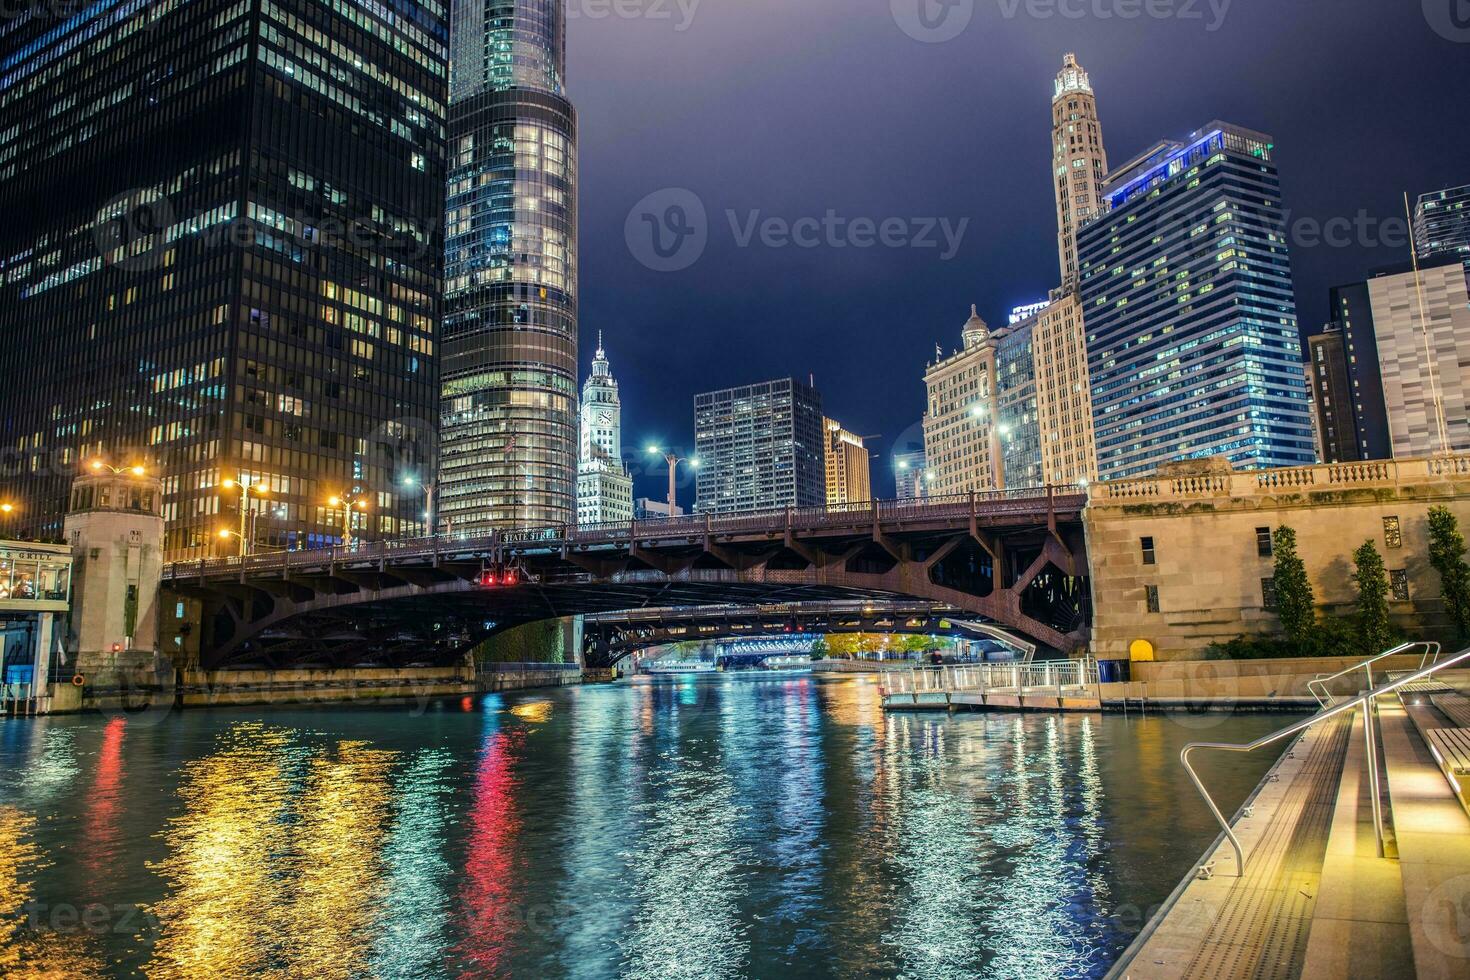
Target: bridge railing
[
  {"x": 694, "y": 525},
  {"x": 1054, "y": 677}
]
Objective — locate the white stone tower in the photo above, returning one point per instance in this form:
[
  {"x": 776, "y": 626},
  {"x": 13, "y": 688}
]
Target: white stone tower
[
  {"x": 115, "y": 530},
  {"x": 1079, "y": 161},
  {"x": 604, "y": 487}
]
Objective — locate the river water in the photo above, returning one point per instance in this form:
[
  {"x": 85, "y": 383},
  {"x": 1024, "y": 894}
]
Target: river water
[{"x": 737, "y": 825}]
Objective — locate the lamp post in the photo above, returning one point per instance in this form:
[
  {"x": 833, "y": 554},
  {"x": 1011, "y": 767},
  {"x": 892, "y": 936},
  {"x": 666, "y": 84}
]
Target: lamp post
[
  {"x": 355, "y": 500},
  {"x": 7, "y": 514},
  {"x": 673, "y": 459},
  {"x": 245, "y": 488},
  {"x": 428, "y": 487}
]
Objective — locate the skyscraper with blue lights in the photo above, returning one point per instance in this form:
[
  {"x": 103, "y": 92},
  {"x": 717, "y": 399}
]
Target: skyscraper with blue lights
[
  {"x": 509, "y": 428},
  {"x": 1191, "y": 323}
]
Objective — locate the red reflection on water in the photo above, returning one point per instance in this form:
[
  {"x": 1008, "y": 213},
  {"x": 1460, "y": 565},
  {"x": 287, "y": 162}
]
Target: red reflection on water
[
  {"x": 467, "y": 704},
  {"x": 489, "y": 893},
  {"x": 102, "y": 802}
]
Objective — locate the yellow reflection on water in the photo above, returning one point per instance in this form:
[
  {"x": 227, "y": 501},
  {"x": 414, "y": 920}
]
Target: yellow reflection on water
[
  {"x": 27, "y": 947},
  {"x": 274, "y": 861},
  {"x": 344, "y": 813},
  {"x": 532, "y": 711}
]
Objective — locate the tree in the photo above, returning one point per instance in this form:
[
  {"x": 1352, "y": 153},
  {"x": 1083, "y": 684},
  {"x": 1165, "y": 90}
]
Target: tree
[
  {"x": 820, "y": 649},
  {"x": 1296, "y": 604},
  {"x": 1447, "y": 555},
  {"x": 1374, "y": 629}
]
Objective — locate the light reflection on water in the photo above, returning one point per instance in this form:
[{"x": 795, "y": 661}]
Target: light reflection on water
[{"x": 730, "y": 826}]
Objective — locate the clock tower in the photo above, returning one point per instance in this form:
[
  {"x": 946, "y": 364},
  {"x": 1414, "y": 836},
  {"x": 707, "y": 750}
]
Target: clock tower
[{"x": 604, "y": 487}]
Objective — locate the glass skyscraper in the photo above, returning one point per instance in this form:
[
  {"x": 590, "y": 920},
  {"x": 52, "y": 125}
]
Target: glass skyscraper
[
  {"x": 509, "y": 361},
  {"x": 1442, "y": 224},
  {"x": 1191, "y": 323},
  {"x": 221, "y": 258}
]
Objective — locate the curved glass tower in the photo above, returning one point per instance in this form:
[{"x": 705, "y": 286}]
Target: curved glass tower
[{"x": 508, "y": 454}]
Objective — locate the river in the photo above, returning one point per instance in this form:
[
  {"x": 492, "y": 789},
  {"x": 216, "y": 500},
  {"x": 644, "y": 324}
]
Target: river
[{"x": 763, "y": 825}]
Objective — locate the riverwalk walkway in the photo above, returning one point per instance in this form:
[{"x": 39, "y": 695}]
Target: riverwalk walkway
[{"x": 1318, "y": 897}]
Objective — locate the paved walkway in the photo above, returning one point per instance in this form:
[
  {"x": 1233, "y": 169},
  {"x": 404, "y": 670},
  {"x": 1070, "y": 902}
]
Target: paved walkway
[{"x": 1257, "y": 925}]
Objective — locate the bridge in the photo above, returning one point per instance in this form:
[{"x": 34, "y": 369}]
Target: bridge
[
  {"x": 608, "y": 637},
  {"x": 1015, "y": 559}
]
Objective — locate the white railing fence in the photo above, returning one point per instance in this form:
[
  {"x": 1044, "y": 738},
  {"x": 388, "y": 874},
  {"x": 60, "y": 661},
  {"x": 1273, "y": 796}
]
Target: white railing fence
[{"x": 1054, "y": 677}]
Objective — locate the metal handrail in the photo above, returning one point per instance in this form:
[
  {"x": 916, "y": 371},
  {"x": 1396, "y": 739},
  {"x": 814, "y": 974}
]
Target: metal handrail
[
  {"x": 1370, "y": 741},
  {"x": 1326, "y": 699}
]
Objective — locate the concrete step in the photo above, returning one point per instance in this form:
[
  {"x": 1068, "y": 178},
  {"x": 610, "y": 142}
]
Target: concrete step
[
  {"x": 1360, "y": 926},
  {"x": 1433, "y": 835}
]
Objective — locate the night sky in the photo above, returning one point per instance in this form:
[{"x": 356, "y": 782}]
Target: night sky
[{"x": 795, "y": 107}]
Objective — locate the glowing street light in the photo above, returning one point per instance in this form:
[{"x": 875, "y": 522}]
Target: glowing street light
[
  {"x": 353, "y": 501},
  {"x": 673, "y": 459},
  {"x": 428, "y": 487},
  {"x": 246, "y": 487}
]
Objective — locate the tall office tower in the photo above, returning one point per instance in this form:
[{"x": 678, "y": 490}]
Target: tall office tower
[
  {"x": 1442, "y": 224},
  {"x": 1044, "y": 398},
  {"x": 1422, "y": 325},
  {"x": 759, "y": 447},
  {"x": 220, "y": 258},
  {"x": 1079, "y": 161},
  {"x": 848, "y": 478},
  {"x": 604, "y": 487},
  {"x": 1345, "y": 381},
  {"x": 509, "y": 361},
  {"x": 1191, "y": 323},
  {"x": 1332, "y": 399}
]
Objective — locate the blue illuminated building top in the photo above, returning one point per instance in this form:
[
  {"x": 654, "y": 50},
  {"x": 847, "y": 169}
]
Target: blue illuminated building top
[{"x": 1191, "y": 324}]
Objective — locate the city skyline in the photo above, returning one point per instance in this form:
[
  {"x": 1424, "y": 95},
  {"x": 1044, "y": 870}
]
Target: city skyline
[{"x": 829, "y": 310}]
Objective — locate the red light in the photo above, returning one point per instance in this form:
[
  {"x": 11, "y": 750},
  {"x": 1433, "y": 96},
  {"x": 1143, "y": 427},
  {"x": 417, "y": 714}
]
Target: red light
[
  {"x": 510, "y": 578},
  {"x": 487, "y": 578},
  {"x": 117, "y": 648}
]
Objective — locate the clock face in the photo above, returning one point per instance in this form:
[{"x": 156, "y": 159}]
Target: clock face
[{"x": 603, "y": 418}]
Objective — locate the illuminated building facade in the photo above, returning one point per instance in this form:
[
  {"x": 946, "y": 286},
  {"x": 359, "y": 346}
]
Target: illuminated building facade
[
  {"x": 760, "y": 447},
  {"x": 1079, "y": 160},
  {"x": 604, "y": 487},
  {"x": 509, "y": 415},
  {"x": 1191, "y": 322},
  {"x": 1012, "y": 409},
  {"x": 1424, "y": 355},
  {"x": 221, "y": 257},
  {"x": 1442, "y": 224},
  {"x": 849, "y": 480}
]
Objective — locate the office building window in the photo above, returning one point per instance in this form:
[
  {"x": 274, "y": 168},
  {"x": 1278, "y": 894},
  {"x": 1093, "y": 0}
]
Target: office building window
[{"x": 1147, "y": 544}]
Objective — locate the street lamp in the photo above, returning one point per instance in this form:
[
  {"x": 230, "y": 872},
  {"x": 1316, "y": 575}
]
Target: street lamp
[
  {"x": 7, "y": 511},
  {"x": 673, "y": 459},
  {"x": 428, "y": 488},
  {"x": 245, "y": 488},
  {"x": 98, "y": 466},
  {"x": 355, "y": 500}
]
